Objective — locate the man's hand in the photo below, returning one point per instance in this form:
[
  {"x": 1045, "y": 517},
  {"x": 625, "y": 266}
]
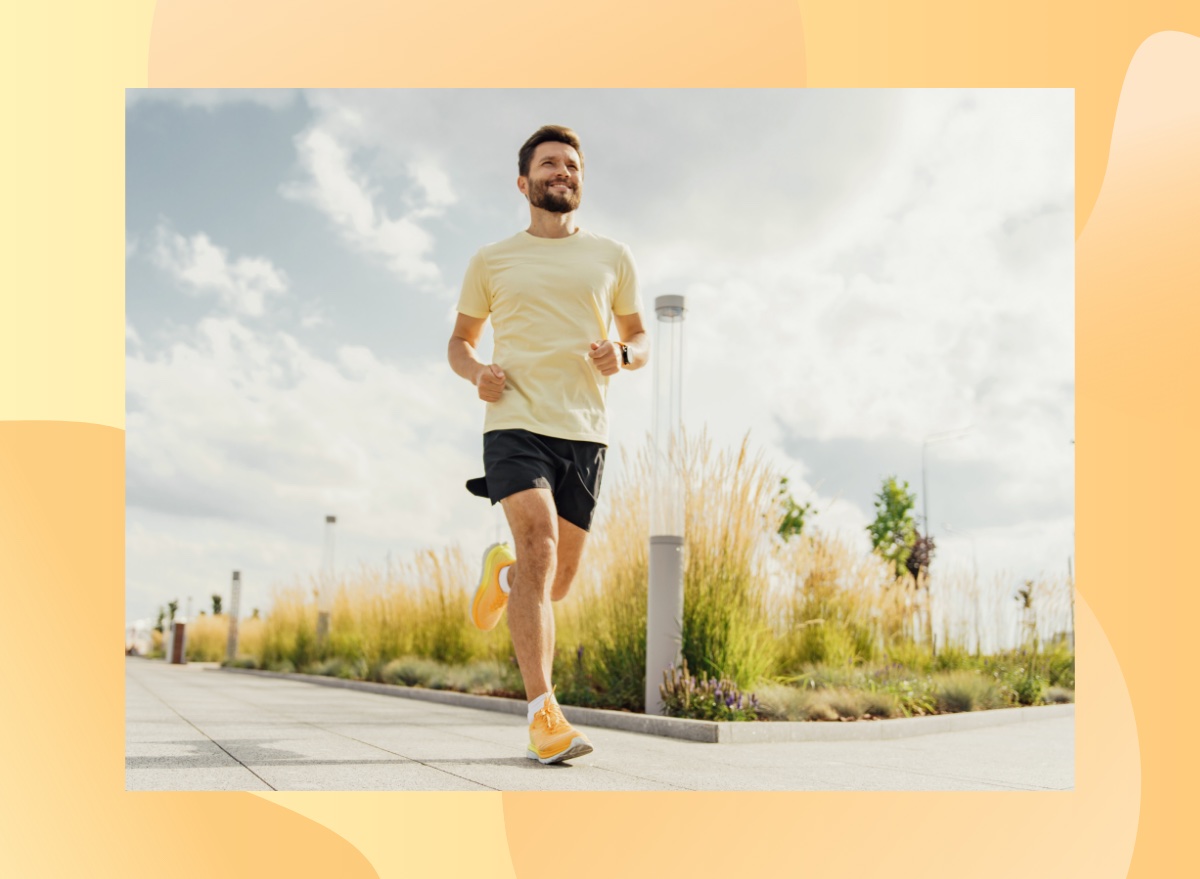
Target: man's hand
[
  {"x": 606, "y": 355},
  {"x": 490, "y": 381}
]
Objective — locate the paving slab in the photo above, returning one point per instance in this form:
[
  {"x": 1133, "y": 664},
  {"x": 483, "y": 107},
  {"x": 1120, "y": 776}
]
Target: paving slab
[{"x": 190, "y": 729}]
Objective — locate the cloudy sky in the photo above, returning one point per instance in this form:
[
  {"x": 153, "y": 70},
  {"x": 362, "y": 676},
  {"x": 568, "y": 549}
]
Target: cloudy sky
[{"x": 865, "y": 270}]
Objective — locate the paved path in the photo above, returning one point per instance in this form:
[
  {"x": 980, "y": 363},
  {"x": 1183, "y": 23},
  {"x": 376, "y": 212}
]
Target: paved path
[{"x": 188, "y": 728}]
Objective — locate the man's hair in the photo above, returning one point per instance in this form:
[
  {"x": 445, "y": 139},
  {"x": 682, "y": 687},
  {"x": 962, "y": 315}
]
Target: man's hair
[{"x": 547, "y": 134}]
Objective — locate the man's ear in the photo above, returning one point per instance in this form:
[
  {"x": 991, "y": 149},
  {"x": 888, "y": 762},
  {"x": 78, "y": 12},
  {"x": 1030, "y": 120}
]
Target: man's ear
[{"x": 523, "y": 186}]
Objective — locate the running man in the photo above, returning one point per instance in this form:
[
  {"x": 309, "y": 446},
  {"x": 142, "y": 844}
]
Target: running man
[{"x": 548, "y": 291}]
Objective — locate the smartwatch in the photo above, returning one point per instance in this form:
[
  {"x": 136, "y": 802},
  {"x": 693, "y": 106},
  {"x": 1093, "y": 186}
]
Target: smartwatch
[{"x": 624, "y": 354}]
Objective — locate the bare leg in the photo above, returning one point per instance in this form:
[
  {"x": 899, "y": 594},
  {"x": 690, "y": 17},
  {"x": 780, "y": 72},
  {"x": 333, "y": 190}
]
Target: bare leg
[
  {"x": 534, "y": 525},
  {"x": 570, "y": 547},
  {"x": 571, "y": 539}
]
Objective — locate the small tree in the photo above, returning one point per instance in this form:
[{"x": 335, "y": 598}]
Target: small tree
[
  {"x": 893, "y": 533},
  {"x": 172, "y": 608},
  {"x": 921, "y": 556},
  {"x": 158, "y": 623},
  {"x": 792, "y": 523},
  {"x": 216, "y": 600}
]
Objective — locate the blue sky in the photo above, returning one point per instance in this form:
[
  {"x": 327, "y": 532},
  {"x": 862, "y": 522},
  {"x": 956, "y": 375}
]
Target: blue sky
[{"x": 864, "y": 270}]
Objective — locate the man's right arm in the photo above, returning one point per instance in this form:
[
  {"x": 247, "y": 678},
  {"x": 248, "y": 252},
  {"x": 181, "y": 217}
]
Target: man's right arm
[{"x": 488, "y": 378}]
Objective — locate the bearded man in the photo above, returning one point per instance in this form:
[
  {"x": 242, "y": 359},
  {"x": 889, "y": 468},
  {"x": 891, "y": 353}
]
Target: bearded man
[{"x": 548, "y": 291}]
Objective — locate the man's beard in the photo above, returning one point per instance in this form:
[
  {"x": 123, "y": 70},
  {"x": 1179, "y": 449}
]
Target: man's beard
[{"x": 540, "y": 196}]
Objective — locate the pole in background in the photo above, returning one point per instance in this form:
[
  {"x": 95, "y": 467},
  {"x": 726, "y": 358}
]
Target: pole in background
[
  {"x": 235, "y": 600},
  {"x": 664, "y": 607},
  {"x": 325, "y": 593}
]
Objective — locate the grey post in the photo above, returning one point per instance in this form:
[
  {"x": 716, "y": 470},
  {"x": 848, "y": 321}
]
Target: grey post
[
  {"x": 235, "y": 600},
  {"x": 664, "y": 606},
  {"x": 325, "y": 599}
]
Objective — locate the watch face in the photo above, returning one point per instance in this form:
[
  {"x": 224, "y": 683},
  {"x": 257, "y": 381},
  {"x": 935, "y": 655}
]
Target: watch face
[{"x": 625, "y": 355}]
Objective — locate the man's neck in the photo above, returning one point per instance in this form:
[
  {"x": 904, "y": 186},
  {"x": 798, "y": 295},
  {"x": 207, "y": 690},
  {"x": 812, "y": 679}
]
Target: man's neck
[{"x": 545, "y": 224}]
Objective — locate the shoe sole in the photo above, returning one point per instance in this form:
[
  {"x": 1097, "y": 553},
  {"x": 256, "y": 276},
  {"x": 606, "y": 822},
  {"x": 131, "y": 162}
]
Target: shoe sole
[
  {"x": 481, "y": 588},
  {"x": 578, "y": 748}
]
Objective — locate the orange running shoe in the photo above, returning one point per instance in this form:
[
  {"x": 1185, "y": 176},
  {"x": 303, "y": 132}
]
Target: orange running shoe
[
  {"x": 552, "y": 739},
  {"x": 490, "y": 600}
]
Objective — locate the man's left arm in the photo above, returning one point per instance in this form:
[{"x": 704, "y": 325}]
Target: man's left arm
[
  {"x": 633, "y": 334},
  {"x": 607, "y": 353}
]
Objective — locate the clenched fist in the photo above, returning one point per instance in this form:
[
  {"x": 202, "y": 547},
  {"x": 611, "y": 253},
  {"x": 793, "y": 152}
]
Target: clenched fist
[
  {"x": 490, "y": 382},
  {"x": 606, "y": 355}
]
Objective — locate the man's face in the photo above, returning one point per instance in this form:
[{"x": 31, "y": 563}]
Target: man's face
[{"x": 555, "y": 181}]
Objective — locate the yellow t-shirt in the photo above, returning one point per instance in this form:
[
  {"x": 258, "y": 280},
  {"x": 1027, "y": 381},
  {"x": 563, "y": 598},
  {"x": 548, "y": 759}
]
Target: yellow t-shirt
[{"x": 547, "y": 298}]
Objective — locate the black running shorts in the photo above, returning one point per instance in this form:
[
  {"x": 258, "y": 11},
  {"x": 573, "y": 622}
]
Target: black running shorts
[{"x": 516, "y": 460}]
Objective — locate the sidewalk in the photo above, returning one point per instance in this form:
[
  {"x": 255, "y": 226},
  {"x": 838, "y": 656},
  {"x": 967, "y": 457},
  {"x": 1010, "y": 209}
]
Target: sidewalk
[{"x": 188, "y": 728}]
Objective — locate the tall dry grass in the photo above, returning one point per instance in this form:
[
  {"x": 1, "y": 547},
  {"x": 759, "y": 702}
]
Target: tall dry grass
[
  {"x": 755, "y": 607},
  {"x": 208, "y": 637},
  {"x": 422, "y": 610}
]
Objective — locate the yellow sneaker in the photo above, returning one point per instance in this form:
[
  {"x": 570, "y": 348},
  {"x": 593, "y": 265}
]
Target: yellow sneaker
[
  {"x": 490, "y": 600},
  {"x": 552, "y": 739}
]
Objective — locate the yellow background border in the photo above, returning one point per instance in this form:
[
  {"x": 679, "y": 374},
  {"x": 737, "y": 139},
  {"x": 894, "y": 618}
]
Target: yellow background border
[{"x": 61, "y": 442}]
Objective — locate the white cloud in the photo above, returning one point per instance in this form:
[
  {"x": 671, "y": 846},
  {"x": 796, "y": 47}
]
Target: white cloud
[
  {"x": 242, "y": 285},
  {"x": 232, "y": 430},
  {"x": 943, "y": 298},
  {"x": 347, "y": 197}
]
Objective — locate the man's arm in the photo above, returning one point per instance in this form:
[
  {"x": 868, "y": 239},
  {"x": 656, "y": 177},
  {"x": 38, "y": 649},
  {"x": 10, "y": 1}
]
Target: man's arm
[
  {"x": 607, "y": 354},
  {"x": 488, "y": 378},
  {"x": 633, "y": 334}
]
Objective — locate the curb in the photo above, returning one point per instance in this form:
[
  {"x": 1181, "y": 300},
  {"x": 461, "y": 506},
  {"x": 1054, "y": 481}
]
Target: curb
[{"x": 708, "y": 731}]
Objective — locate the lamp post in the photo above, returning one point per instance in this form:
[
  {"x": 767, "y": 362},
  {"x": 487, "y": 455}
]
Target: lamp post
[
  {"x": 235, "y": 600},
  {"x": 664, "y": 606},
  {"x": 325, "y": 594}
]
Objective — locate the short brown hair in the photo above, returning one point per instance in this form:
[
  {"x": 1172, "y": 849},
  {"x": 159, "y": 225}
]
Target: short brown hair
[{"x": 547, "y": 134}]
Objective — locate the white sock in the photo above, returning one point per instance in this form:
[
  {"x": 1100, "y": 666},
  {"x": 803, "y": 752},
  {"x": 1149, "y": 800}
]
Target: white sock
[
  {"x": 536, "y": 705},
  {"x": 505, "y": 585}
]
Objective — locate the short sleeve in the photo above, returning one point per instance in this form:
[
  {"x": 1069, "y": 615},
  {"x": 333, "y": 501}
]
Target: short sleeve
[
  {"x": 627, "y": 299},
  {"x": 475, "y": 299}
]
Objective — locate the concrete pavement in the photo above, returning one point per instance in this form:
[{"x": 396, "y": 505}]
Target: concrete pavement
[{"x": 187, "y": 728}]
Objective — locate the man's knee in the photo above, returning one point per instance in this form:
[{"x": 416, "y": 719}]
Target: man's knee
[{"x": 537, "y": 557}]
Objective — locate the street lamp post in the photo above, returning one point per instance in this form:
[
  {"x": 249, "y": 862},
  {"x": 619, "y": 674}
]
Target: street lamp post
[
  {"x": 325, "y": 593},
  {"x": 664, "y": 606},
  {"x": 235, "y": 602}
]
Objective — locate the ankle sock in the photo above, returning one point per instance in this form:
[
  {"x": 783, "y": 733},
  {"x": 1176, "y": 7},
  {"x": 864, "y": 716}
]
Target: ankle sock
[
  {"x": 505, "y": 585},
  {"x": 536, "y": 705}
]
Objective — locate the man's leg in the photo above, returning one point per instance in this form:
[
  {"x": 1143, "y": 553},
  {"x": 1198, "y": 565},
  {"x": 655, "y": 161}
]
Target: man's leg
[
  {"x": 571, "y": 539},
  {"x": 534, "y": 525}
]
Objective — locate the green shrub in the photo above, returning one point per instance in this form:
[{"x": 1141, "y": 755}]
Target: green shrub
[
  {"x": 1030, "y": 689},
  {"x": 952, "y": 658},
  {"x": 880, "y": 703},
  {"x": 1059, "y": 696},
  {"x": 339, "y": 667},
  {"x": 911, "y": 655},
  {"x": 685, "y": 696},
  {"x": 967, "y": 690},
  {"x": 412, "y": 671},
  {"x": 1059, "y": 662}
]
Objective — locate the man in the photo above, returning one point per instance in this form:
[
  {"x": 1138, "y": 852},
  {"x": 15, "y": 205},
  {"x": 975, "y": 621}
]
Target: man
[{"x": 547, "y": 290}]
